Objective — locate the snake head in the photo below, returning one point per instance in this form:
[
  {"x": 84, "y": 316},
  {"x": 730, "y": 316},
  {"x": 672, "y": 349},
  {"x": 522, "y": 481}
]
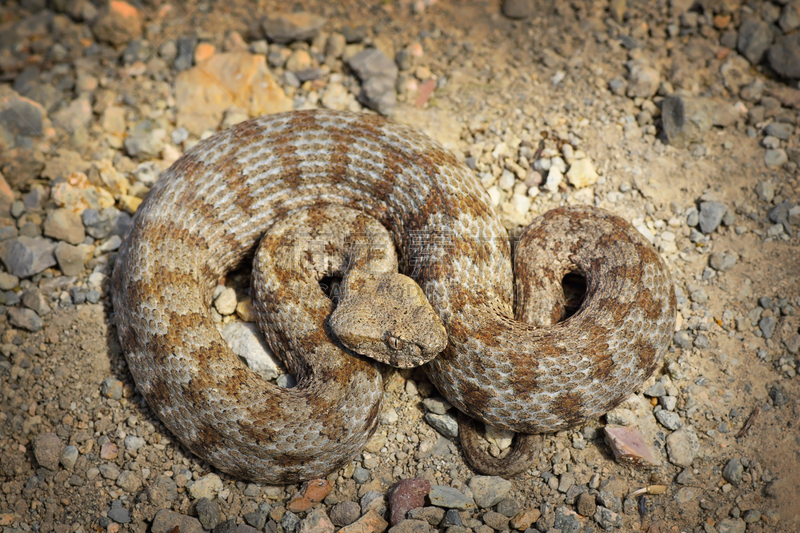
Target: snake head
[{"x": 388, "y": 319}]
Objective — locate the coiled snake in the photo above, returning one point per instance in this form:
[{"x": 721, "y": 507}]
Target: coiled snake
[{"x": 531, "y": 373}]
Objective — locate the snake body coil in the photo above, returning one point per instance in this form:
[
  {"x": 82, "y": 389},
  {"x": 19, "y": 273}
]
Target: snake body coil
[{"x": 208, "y": 212}]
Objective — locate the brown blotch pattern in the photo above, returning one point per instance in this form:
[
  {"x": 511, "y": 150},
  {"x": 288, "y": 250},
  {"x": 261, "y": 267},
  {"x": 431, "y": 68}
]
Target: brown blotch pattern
[{"x": 504, "y": 372}]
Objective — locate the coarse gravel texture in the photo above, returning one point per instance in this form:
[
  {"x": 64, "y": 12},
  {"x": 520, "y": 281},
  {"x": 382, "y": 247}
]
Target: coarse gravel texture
[{"x": 681, "y": 116}]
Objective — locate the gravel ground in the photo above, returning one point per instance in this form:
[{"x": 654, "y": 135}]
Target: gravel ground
[{"x": 680, "y": 116}]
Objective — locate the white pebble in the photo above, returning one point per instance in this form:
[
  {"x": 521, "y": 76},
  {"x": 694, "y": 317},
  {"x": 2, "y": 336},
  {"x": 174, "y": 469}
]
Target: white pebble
[
  {"x": 225, "y": 304},
  {"x": 554, "y": 179},
  {"x": 494, "y": 194},
  {"x": 521, "y": 203}
]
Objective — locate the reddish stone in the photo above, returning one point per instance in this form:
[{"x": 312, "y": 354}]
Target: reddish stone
[
  {"x": 109, "y": 451},
  {"x": 629, "y": 447},
  {"x": 406, "y": 495},
  {"x": 117, "y": 23},
  {"x": 311, "y": 493},
  {"x": 425, "y": 92}
]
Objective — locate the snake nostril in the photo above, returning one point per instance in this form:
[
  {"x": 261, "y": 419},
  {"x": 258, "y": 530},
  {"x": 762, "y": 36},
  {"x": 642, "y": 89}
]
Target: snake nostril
[{"x": 574, "y": 286}]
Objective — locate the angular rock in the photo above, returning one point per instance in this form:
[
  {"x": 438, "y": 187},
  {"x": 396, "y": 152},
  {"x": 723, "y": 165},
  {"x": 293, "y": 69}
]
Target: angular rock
[
  {"x": 117, "y": 23},
  {"x": 733, "y": 471},
  {"x": 436, "y": 516},
  {"x": 118, "y": 513},
  {"x": 582, "y": 174},
  {"x": 64, "y": 225},
  {"x": 711, "y": 214},
  {"x": 668, "y": 419},
  {"x": 70, "y": 258},
  {"x": 290, "y": 27},
  {"x": 723, "y": 261},
  {"x": 406, "y": 495},
  {"x": 378, "y": 93},
  {"x": 683, "y": 446},
  {"x": 316, "y": 522},
  {"x": 784, "y": 56},
  {"x": 208, "y": 513},
  {"x": 64, "y": 164},
  {"x": 685, "y": 119},
  {"x": 163, "y": 489},
  {"x": 239, "y": 79},
  {"x": 608, "y": 519},
  {"x": 371, "y": 522},
  {"x": 206, "y": 487},
  {"x": 181, "y": 53},
  {"x": 47, "y": 450},
  {"x": 372, "y": 62},
  {"x": 74, "y": 115},
  {"x": 790, "y": 16},
  {"x": 525, "y": 519},
  {"x": 311, "y": 493},
  {"x": 378, "y": 74},
  {"x": 755, "y": 36},
  {"x": 69, "y": 456},
  {"x": 775, "y": 158},
  {"x": 488, "y": 491},
  {"x": 247, "y": 342},
  {"x": 567, "y": 520},
  {"x": 8, "y": 281},
  {"x": 166, "y": 521},
  {"x": 225, "y": 302},
  {"x": 449, "y": 498},
  {"x": 20, "y": 165},
  {"x": 100, "y": 224},
  {"x": 21, "y": 116},
  {"x": 496, "y": 521},
  {"x": 259, "y": 517},
  {"x": 629, "y": 446},
  {"x": 25, "y": 256},
  {"x": 445, "y": 424},
  {"x": 34, "y": 300}
]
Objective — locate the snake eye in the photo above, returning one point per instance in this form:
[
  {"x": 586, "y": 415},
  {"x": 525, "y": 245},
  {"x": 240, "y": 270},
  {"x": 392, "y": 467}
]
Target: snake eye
[{"x": 394, "y": 343}]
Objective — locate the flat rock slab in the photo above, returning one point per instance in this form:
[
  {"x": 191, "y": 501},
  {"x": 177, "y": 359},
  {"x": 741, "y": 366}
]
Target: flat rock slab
[
  {"x": 236, "y": 80},
  {"x": 27, "y": 256}
]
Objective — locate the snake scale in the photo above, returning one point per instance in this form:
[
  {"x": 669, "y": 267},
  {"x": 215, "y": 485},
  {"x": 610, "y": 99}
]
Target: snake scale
[{"x": 531, "y": 373}]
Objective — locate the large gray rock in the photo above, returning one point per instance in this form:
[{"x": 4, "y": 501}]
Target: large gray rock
[
  {"x": 378, "y": 75},
  {"x": 755, "y": 36},
  {"x": 25, "y": 256},
  {"x": 21, "y": 116},
  {"x": 784, "y": 56},
  {"x": 685, "y": 119},
  {"x": 711, "y": 214},
  {"x": 70, "y": 258},
  {"x": 371, "y": 62},
  {"x": 26, "y": 319},
  {"x": 64, "y": 225}
]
